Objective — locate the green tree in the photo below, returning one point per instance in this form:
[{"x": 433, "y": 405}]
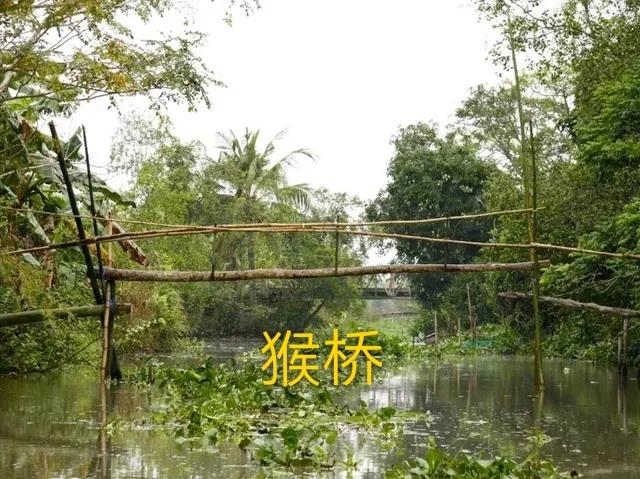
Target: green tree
[
  {"x": 489, "y": 115},
  {"x": 77, "y": 50},
  {"x": 429, "y": 177},
  {"x": 255, "y": 181}
]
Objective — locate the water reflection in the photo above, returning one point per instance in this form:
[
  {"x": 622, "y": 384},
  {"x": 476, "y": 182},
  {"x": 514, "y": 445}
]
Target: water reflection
[
  {"x": 489, "y": 405},
  {"x": 58, "y": 426}
]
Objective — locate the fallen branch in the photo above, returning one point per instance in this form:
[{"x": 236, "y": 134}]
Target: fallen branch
[
  {"x": 570, "y": 303},
  {"x": 129, "y": 246},
  {"x": 195, "y": 276}
]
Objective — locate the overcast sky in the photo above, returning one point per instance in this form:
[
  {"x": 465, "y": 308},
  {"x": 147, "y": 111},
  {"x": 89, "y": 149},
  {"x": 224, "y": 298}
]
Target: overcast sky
[{"x": 340, "y": 76}]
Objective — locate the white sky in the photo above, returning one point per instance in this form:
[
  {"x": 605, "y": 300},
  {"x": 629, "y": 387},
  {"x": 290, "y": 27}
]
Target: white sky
[{"x": 340, "y": 76}]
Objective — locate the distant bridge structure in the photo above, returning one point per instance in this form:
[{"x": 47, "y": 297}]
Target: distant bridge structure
[{"x": 391, "y": 286}]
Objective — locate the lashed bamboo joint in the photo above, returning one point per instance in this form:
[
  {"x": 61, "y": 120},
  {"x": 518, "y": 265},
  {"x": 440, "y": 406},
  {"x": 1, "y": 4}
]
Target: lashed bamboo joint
[{"x": 199, "y": 276}]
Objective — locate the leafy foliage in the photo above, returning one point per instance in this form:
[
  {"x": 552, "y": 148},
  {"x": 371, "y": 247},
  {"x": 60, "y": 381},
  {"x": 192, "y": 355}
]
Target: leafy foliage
[
  {"x": 433, "y": 177},
  {"x": 292, "y": 427},
  {"x": 436, "y": 464},
  {"x": 74, "y": 51},
  {"x": 181, "y": 183}
]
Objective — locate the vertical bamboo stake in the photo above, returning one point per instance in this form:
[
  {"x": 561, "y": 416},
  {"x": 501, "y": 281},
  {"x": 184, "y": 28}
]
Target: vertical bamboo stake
[
  {"x": 92, "y": 203},
  {"x": 619, "y": 352},
  {"x": 472, "y": 322},
  {"x": 535, "y": 272},
  {"x": 103, "y": 432},
  {"x": 459, "y": 332},
  {"x": 113, "y": 365},
  {"x": 529, "y": 199},
  {"x": 107, "y": 307},
  {"x": 435, "y": 326},
  {"x": 76, "y": 212},
  {"x": 625, "y": 348},
  {"x": 337, "y": 241}
]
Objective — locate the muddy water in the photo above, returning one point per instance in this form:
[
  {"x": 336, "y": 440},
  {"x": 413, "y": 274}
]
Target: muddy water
[{"x": 50, "y": 426}]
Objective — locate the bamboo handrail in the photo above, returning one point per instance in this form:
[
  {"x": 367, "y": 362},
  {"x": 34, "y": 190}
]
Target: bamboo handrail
[
  {"x": 442, "y": 219},
  {"x": 196, "y": 276},
  {"x": 190, "y": 232},
  {"x": 331, "y": 227}
]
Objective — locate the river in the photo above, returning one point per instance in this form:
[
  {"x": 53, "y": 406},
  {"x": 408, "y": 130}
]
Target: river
[{"x": 50, "y": 425}]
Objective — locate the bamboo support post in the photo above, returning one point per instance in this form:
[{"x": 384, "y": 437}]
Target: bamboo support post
[
  {"x": 39, "y": 315},
  {"x": 337, "y": 242},
  {"x": 76, "y": 212},
  {"x": 107, "y": 310},
  {"x": 105, "y": 335},
  {"x": 435, "y": 327},
  {"x": 472, "y": 320},
  {"x": 529, "y": 187},
  {"x": 92, "y": 204},
  {"x": 533, "y": 256},
  {"x": 112, "y": 361},
  {"x": 623, "y": 367},
  {"x": 199, "y": 276},
  {"x": 619, "y": 356}
]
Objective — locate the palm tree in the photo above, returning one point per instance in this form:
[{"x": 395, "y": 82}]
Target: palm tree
[{"x": 253, "y": 179}]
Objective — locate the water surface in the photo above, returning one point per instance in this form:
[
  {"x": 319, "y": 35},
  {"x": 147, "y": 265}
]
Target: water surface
[{"x": 50, "y": 425}]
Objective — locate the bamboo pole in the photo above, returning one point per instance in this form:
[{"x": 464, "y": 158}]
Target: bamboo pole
[
  {"x": 624, "y": 365},
  {"x": 112, "y": 364},
  {"x": 92, "y": 203},
  {"x": 435, "y": 327},
  {"x": 529, "y": 201},
  {"x": 267, "y": 225},
  {"x": 199, "y": 231},
  {"x": 39, "y": 315},
  {"x": 105, "y": 334},
  {"x": 472, "y": 321},
  {"x": 570, "y": 303},
  {"x": 533, "y": 256},
  {"x": 619, "y": 357},
  {"x": 330, "y": 229},
  {"x": 76, "y": 212},
  {"x": 107, "y": 310},
  {"x": 198, "y": 276}
]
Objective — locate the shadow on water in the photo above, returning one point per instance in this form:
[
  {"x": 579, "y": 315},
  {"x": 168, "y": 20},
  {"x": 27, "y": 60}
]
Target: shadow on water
[{"x": 59, "y": 426}]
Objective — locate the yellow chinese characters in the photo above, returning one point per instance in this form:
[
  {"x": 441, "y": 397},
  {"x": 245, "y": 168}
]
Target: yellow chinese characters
[{"x": 295, "y": 357}]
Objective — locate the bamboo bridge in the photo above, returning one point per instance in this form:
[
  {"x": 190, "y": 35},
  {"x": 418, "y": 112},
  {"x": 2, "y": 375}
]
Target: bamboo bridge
[{"x": 104, "y": 279}]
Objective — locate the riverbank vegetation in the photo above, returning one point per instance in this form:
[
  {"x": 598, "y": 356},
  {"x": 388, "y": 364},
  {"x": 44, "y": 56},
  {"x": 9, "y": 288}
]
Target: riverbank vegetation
[
  {"x": 580, "y": 97},
  {"x": 584, "y": 128},
  {"x": 578, "y": 92}
]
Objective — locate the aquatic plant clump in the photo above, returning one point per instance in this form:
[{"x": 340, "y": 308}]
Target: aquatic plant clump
[
  {"x": 436, "y": 464},
  {"x": 308, "y": 428},
  {"x": 294, "y": 427}
]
